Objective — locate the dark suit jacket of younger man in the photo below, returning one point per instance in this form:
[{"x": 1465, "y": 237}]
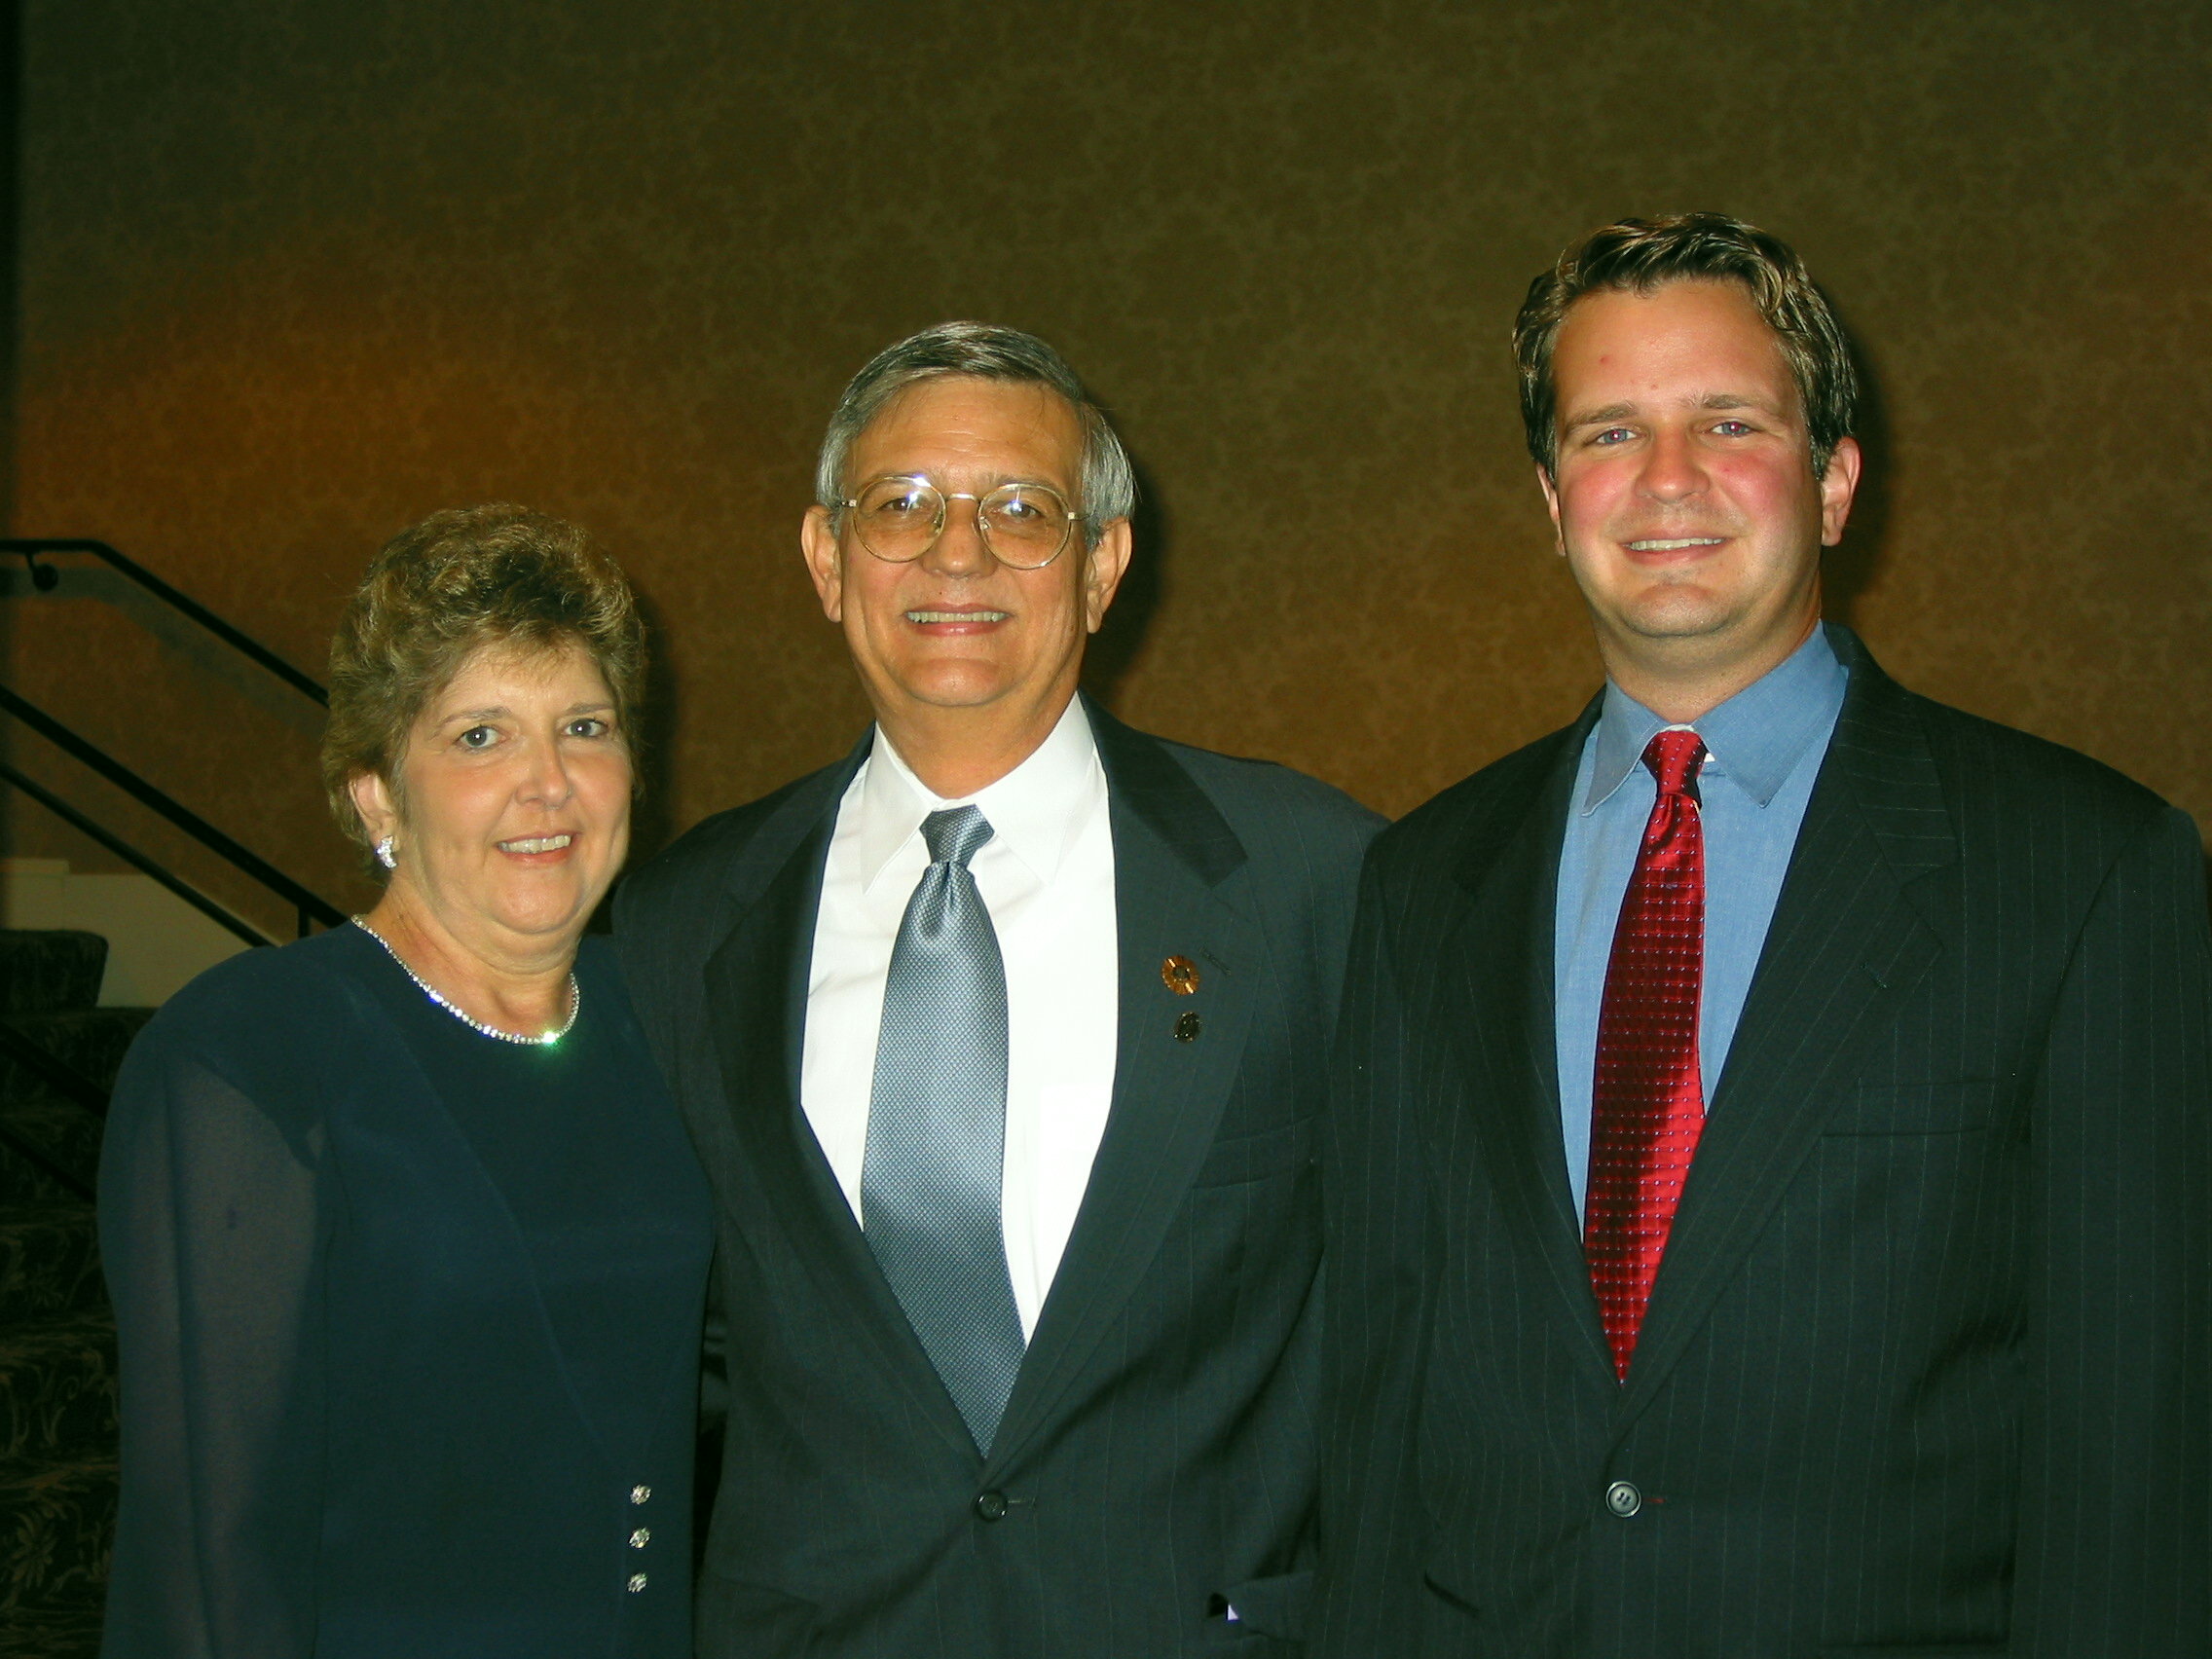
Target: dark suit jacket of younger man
[
  {"x": 1158, "y": 1458},
  {"x": 1924, "y": 1371}
]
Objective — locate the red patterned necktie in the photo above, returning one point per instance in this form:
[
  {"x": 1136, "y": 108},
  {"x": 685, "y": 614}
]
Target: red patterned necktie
[{"x": 1647, "y": 1104}]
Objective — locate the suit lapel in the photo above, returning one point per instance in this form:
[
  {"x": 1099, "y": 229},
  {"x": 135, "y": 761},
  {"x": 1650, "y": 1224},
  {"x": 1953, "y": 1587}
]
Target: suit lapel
[
  {"x": 1499, "y": 974},
  {"x": 1178, "y": 872},
  {"x": 756, "y": 994},
  {"x": 1851, "y": 933}
]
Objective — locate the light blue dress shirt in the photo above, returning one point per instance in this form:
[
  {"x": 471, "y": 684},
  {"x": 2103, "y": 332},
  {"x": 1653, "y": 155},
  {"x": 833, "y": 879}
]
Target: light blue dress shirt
[{"x": 1764, "y": 748}]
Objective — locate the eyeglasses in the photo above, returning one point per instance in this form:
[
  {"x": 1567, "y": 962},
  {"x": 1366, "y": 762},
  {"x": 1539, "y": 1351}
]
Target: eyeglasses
[{"x": 1025, "y": 526}]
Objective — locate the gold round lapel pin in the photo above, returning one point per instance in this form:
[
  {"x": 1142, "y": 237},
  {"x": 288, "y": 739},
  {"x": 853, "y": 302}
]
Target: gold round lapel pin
[{"x": 1180, "y": 975}]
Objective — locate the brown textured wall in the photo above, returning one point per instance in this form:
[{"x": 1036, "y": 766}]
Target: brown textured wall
[{"x": 295, "y": 274}]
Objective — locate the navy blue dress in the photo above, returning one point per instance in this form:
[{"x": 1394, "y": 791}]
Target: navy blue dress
[{"x": 409, "y": 1320}]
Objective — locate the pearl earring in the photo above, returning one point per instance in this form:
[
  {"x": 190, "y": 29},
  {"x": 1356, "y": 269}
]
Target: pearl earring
[{"x": 383, "y": 854}]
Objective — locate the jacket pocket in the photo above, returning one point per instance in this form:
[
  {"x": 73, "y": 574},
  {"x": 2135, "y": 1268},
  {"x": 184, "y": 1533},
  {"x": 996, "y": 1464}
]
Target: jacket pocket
[
  {"x": 1442, "y": 1595},
  {"x": 1919, "y": 1109},
  {"x": 1270, "y": 1606},
  {"x": 736, "y": 1617},
  {"x": 1277, "y": 1151}
]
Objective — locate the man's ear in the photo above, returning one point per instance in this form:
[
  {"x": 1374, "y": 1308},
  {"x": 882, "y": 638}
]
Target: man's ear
[
  {"x": 1839, "y": 486},
  {"x": 371, "y": 799},
  {"x": 1104, "y": 566},
  {"x": 1551, "y": 505},
  {"x": 825, "y": 561}
]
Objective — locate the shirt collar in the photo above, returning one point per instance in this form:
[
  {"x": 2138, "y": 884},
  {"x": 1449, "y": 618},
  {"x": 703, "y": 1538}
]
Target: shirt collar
[
  {"x": 1755, "y": 739},
  {"x": 1036, "y": 810}
]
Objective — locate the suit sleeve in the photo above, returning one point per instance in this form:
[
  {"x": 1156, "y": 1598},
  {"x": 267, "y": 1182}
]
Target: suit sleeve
[
  {"x": 2113, "y": 1549},
  {"x": 213, "y": 1235},
  {"x": 1370, "y": 1588}
]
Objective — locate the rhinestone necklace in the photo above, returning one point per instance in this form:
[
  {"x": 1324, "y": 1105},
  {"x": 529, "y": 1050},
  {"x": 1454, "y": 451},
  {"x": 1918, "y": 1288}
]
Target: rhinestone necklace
[{"x": 575, "y": 999}]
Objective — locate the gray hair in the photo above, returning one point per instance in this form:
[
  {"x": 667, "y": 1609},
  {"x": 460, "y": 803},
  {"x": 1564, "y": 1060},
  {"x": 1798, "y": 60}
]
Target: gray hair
[{"x": 980, "y": 351}]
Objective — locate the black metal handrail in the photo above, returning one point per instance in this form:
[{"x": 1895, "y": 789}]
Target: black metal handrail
[
  {"x": 132, "y": 856},
  {"x": 56, "y": 1074},
  {"x": 22, "y": 1146},
  {"x": 311, "y": 906},
  {"x": 45, "y": 578}
]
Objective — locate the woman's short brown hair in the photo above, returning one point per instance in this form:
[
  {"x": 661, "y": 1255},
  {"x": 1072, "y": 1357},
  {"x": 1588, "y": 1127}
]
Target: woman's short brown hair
[
  {"x": 1643, "y": 254},
  {"x": 442, "y": 590}
]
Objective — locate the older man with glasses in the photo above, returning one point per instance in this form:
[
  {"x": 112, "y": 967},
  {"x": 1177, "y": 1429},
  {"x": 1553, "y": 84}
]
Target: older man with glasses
[{"x": 1002, "y": 1043}]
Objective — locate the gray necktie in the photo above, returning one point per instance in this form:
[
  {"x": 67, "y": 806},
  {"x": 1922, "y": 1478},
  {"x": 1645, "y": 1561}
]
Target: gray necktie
[{"x": 937, "y": 1130}]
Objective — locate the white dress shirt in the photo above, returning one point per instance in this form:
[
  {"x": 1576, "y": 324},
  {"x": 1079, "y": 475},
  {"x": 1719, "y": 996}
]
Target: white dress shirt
[{"x": 1046, "y": 875}]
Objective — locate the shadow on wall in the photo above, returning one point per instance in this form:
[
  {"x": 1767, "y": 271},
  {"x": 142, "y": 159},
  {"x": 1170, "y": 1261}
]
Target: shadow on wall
[
  {"x": 1119, "y": 641},
  {"x": 653, "y": 825},
  {"x": 1849, "y": 569}
]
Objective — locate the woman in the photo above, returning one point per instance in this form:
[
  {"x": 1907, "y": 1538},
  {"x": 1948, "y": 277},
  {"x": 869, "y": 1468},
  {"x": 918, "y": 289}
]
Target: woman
[{"x": 407, "y": 1247}]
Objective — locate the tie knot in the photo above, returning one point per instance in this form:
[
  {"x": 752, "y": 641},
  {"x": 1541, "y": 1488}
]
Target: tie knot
[
  {"x": 954, "y": 835},
  {"x": 1673, "y": 757}
]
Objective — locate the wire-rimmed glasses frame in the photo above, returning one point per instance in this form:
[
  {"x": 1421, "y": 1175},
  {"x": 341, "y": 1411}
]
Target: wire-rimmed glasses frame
[{"x": 896, "y": 506}]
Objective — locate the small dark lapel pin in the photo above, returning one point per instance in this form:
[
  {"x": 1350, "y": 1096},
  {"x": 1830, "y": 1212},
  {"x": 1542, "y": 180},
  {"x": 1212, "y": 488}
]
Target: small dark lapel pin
[
  {"x": 1180, "y": 975},
  {"x": 1186, "y": 1026}
]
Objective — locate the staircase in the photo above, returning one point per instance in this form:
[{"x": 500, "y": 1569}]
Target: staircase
[
  {"x": 58, "y": 1056},
  {"x": 57, "y": 1392}
]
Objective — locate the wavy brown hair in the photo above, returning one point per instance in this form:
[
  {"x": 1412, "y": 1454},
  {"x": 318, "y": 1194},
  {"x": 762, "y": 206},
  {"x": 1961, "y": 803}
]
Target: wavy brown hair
[
  {"x": 1643, "y": 254},
  {"x": 462, "y": 582}
]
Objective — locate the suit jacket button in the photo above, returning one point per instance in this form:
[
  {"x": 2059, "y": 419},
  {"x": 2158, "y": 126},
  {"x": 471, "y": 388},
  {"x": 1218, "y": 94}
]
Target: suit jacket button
[
  {"x": 991, "y": 1507},
  {"x": 1623, "y": 1500}
]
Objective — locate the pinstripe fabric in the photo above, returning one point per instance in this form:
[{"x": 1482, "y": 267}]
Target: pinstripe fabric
[
  {"x": 1159, "y": 1455},
  {"x": 1924, "y": 1370}
]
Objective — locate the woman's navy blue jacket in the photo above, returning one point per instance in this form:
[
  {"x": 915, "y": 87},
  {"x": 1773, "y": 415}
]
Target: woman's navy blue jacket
[{"x": 409, "y": 1323}]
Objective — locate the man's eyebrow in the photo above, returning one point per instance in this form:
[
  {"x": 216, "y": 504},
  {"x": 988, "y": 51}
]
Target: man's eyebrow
[
  {"x": 998, "y": 481},
  {"x": 1598, "y": 416},
  {"x": 1613, "y": 411}
]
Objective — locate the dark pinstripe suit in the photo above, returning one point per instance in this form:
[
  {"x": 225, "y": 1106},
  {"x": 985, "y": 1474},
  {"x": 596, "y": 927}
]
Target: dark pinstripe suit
[
  {"x": 1924, "y": 1371},
  {"x": 1160, "y": 1447}
]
